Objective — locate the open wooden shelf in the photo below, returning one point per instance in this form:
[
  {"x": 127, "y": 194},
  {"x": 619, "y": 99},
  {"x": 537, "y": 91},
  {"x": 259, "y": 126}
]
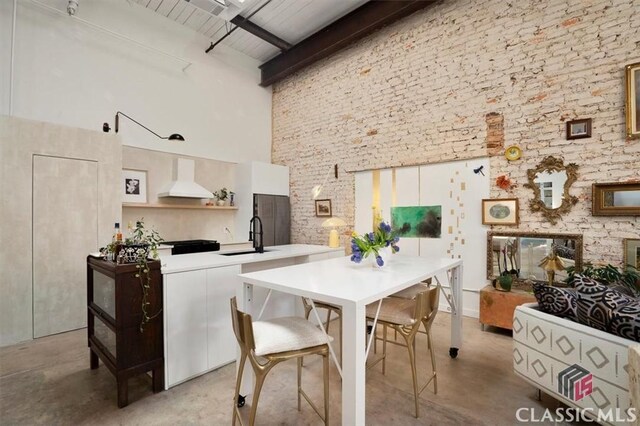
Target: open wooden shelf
[{"x": 177, "y": 206}]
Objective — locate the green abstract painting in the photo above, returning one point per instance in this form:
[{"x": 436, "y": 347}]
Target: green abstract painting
[{"x": 417, "y": 221}]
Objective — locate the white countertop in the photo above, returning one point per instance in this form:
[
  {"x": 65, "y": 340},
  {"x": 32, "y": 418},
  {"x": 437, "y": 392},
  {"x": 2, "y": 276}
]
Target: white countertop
[{"x": 195, "y": 261}]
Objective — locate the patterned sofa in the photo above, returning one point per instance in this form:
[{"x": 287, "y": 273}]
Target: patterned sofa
[{"x": 545, "y": 345}]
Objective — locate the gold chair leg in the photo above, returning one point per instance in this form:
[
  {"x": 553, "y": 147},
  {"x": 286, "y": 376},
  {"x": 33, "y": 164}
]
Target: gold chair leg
[
  {"x": 384, "y": 349},
  {"x": 412, "y": 361},
  {"x": 299, "y": 381},
  {"x": 260, "y": 376},
  {"x": 433, "y": 364},
  {"x": 243, "y": 358},
  {"x": 325, "y": 373},
  {"x": 326, "y": 327}
]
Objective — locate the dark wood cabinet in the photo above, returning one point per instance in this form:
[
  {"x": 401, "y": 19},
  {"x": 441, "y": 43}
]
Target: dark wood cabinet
[{"x": 114, "y": 309}]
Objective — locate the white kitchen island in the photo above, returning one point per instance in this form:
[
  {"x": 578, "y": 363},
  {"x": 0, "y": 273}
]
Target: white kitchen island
[{"x": 198, "y": 336}]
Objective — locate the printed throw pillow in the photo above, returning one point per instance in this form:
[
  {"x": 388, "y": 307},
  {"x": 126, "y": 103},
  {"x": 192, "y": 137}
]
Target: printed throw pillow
[
  {"x": 590, "y": 311},
  {"x": 556, "y": 301},
  {"x": 625, "y": 321},
  {"x": 607, "y": 308}
]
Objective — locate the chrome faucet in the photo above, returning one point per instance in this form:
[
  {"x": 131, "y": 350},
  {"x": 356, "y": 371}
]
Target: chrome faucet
[{"x": 253, "y": 233}]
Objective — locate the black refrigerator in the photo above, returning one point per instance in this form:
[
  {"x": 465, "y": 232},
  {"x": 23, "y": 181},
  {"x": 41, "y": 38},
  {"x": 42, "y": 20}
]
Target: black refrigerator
[{"x": 275, "y": 213}]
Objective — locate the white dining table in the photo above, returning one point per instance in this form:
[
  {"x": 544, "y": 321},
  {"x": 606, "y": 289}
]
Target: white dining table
[{"x": 352, "y": 286}]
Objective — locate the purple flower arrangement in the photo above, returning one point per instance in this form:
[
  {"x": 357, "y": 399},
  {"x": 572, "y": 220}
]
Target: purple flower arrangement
[{"x": 371, "y": 243}]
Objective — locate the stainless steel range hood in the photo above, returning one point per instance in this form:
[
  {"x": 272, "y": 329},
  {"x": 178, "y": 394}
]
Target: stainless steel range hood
[{"x": 183, "y": 184}]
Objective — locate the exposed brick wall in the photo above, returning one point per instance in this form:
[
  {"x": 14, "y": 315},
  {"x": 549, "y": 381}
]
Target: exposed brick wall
[{"x": 457, "y": 80}]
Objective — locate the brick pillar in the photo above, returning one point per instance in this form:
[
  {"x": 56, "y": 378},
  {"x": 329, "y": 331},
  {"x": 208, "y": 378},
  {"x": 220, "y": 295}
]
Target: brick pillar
[{"x": 495, "y": 133}]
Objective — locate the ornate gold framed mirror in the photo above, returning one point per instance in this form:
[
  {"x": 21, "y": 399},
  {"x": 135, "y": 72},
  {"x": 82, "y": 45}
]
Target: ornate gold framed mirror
[
  {"x": 616, "y": 199},
  {"x": 550, "y": 182}
]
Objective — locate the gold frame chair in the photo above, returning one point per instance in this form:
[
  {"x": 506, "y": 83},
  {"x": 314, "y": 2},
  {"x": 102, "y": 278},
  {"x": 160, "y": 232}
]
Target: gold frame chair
[
  {"x": 243, "y": 329},
  {"x": 330, "y": 308},
  {"x": 425, "y": 308}
]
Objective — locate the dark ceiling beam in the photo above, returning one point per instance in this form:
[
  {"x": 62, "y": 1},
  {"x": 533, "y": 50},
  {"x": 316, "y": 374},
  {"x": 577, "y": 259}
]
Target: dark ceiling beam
[
  {"x": 357, "y": 24},
  {"x": 260, "y": 32}
]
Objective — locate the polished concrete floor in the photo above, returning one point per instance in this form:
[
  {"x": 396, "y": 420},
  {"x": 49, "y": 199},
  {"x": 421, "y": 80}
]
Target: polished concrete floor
[{"x": 48, "y": 381}]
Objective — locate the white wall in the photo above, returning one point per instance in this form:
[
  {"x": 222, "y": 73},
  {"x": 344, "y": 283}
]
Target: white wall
[
  {"x": 68, "y": 73},
  {"x": 459, "y": 191}
]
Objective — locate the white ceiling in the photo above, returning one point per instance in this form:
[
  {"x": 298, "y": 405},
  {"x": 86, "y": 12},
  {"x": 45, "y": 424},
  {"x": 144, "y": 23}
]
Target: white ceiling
[{"x": 291, "y": 20}]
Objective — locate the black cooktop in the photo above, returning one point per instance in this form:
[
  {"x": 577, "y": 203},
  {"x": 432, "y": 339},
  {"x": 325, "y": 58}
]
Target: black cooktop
[{"x": 193, "y": 246}]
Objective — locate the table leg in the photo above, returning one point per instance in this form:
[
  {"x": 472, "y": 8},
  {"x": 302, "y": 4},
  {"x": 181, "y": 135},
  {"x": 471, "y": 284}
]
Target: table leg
[
  {"x": 456, "y": 316},
  {"x": 354, "y": 364}
]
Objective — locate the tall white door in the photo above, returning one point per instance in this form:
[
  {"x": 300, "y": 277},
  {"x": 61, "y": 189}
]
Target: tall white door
[{"x": 65, "y": 230}]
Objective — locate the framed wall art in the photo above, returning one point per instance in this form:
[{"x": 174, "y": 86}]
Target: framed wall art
[
  {"x": 134, "y": 186},
  {"x": 500, "y": 211},
  {"x": 631, "y": 252},
  {"x": 632, "y": 73},
  {"x": 578, "y": 129},
  {"x": 323, "y": 208}
]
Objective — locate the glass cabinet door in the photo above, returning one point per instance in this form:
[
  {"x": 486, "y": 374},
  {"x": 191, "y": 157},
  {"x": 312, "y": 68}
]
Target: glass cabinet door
[{"x": 104, "y": 293}]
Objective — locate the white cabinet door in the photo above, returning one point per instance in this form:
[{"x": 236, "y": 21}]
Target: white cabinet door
[
  {"x": 186, "y": 325},
  {"x": 222, "y": 284}
]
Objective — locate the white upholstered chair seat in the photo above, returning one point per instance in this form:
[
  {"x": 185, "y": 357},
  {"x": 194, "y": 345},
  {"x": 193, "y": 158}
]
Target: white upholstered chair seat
[
  {"x": 286, "y": 334},
  {"x": 394, "y": 310}
]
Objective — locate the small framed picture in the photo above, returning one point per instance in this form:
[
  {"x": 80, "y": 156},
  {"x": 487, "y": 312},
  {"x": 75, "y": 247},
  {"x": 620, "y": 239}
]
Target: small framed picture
[
  {"x": 578, "y": 129},
  {"x": 134, "y": 186},
  {"x": 500, "y": 211},
  {"x": 323, "y": 208}
]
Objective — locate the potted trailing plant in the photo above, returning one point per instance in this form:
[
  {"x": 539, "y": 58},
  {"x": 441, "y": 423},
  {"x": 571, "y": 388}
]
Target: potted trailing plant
[
  {"x": 374, "y": 243},
  {"x": 221, "y": 196},
  {"x": 137, "y": 248},
  {"x": 609, "y": 274},
  {"x": 143, "y": 243}
]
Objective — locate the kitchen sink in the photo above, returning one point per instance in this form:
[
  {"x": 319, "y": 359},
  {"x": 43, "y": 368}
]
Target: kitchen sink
[{"x": 238, "y": 253}]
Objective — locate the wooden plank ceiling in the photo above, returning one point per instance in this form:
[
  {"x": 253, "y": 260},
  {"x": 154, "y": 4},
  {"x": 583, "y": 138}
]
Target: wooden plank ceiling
[
  {"x": 288, "y": 35},
  {"x": 290, "y": 20}
]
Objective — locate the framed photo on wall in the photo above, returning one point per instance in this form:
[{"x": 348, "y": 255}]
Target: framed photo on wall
[
  {"x": 323, "y": 208},
  {"x": 578, "y": 129},
  {"x": 500, "y": 211},
  {"x": 632, "y": 73},
  {"x": 134, "y": 186}
]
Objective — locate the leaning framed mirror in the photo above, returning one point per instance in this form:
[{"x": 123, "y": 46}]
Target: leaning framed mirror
[
  {"x": 616, "y": 199},
  {"x": 521, "y": 254},
  {"x": 550, "y": 182}
]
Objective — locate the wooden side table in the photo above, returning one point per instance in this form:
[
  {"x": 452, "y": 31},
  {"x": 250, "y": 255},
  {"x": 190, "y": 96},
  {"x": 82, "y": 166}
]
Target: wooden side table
[{"x": 497, "y": 307}]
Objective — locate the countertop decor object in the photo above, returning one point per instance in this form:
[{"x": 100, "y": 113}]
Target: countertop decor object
[
  {"x": 334, "y": 239},
  {"x": 172, "y": 137},
  {"x": 373, "y": 243},
  {"x": 513, "y": 153}
]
